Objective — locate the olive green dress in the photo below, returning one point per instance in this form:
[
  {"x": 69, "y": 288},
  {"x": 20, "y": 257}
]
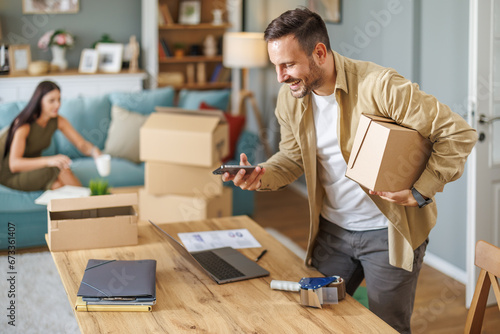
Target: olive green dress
[{"x": 39, "y": 179}]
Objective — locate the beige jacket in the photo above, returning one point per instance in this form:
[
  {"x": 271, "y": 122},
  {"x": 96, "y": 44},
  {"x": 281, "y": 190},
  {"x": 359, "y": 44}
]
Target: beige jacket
[{"x": 364, "y": 87}]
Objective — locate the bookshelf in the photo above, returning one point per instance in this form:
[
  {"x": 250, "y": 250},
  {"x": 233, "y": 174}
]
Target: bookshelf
[{"x": 193, "y": 67}]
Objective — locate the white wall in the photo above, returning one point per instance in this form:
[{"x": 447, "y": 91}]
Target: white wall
[{"x": 427, "y": 42}]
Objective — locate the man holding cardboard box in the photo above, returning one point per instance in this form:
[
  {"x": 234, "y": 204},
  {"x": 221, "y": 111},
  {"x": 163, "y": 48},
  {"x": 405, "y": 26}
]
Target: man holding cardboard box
[{"x": 355, "y": 232}]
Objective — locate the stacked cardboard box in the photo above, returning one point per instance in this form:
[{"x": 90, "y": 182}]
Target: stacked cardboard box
[{"x": 181, "y": 148}]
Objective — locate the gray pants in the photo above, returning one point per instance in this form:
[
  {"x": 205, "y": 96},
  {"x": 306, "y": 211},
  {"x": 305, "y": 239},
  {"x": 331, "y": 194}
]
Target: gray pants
[{"x": 358, "y": 255}]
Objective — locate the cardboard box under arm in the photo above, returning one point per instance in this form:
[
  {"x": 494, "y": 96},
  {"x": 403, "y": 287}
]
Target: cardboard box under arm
[
  {"x": 386, "y": 156},
  {"x": 92, "y": 222},
  {"x": 188, "y": 137}
]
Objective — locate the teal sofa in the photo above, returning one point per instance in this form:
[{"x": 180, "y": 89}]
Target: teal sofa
[{"x": 91, "y": 116}]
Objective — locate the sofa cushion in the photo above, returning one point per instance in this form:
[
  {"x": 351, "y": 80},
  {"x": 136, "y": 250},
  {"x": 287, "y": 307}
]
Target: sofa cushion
[
  {"x": 145, "y": 101},
  {"x": 123, "y": 172},
  {"x": 191, "y": 99},
  {"x": 90, "y": 116},
  {"x": 19, "y": 201},
  {"x": 123, "y": 134}
]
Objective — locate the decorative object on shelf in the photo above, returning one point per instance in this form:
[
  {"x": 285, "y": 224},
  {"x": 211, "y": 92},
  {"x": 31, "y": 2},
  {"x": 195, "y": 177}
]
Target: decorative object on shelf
[
  {"x": 179, "y": 50},
  {"x": 39, "y": 67},
  {"x": 328, "y": 10},
  {"x": 201, "y": 74},
  {"x": 132, "y": 52},
  {"x": 110, "y": 57},
  {"x": 88, "y": 61},
  {"x": 19, "y": 58},
  {"x": 4, "y": 59},
  {"x": 244, "y": 50},
  {"x": 210, "y": 46},
  {"x": 170, "y": 78},
  {"x": 195, "y": 50},
  {"x": 190, "y": 73},
  {"x": 58, "y": 40},
  {"x": 50, "y": 7},
  {"x": 105, "y": 38},
  {"x": 217, "y": 13},
  {"x": 190, "y": 12},
  {"x": 98, "y": 187}
]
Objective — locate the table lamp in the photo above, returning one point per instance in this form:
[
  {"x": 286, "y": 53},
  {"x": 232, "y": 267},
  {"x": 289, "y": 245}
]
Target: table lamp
[{"x": 245, "y": 50}]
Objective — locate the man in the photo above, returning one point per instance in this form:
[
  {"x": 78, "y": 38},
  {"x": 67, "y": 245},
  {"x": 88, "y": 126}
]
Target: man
[{"x": 354, "y": 232}]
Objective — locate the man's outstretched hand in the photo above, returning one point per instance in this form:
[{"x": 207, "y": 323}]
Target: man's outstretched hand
[{"x": 245, "y": 182}]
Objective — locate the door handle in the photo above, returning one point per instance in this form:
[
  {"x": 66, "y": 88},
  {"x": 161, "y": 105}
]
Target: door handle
[{"x": 483, "y": 119}]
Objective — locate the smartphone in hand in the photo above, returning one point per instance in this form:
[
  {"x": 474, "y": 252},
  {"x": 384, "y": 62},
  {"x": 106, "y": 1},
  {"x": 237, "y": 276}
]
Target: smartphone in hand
[{"x": 233, "y": 169}]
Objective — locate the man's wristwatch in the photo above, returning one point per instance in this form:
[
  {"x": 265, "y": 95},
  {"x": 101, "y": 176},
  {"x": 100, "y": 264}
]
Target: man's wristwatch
[{"x": 421, "y": 201}]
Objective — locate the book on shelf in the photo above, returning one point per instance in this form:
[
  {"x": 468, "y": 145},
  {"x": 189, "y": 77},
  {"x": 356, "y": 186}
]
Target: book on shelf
[
  {"x": 225, "y": 75},
  {"x": 161, "y": 52},
  {"x": 216, "y": 73},
  {"x": 165, "y": 47},
  {"x": 161, "y": 20},
  {"x": 167, "y": 17}
]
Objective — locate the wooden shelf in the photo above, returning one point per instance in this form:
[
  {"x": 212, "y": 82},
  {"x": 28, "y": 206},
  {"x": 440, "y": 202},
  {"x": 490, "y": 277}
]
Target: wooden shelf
[
  {"x": 201, "y": 26},
  {"x": 190, "y": 59},
  {"x": 208, "y": 85}
]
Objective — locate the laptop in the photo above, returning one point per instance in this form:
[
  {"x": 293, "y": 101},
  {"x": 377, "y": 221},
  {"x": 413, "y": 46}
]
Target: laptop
[{"x": 223, "y": 265}]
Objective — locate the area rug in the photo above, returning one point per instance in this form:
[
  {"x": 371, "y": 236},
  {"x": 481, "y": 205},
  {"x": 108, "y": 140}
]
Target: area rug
[{"x": 35, "y": 295}]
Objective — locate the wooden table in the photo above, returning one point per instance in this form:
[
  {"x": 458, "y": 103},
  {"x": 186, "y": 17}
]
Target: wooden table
[{"x": 189, "y": 301}]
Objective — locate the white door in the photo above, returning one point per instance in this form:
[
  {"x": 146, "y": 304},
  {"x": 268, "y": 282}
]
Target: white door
[{"x": 484, "y": 112}]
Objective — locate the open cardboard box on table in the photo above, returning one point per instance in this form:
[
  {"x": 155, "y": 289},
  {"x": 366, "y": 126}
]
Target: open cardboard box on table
[
  {"x": 176, "y": 208},
  {"x": 386, "y": 156},
  {"x": 186, "y": 137},
  {"x": 92, "y": 222}
]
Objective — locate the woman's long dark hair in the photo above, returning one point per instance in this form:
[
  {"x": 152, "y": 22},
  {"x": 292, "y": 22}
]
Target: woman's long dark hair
[{"x": 31, "y": 112}]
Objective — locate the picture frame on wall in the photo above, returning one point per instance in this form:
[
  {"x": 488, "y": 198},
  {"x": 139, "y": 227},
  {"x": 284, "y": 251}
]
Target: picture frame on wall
[
  {"x": 19, "y": 58},
  {"x": 51, "y": 6},
  {"x": 190, "y": 12},
  {"x": 329, "y": 10},
  {"x": 110, "y": 57},
  {"x": 89, "y": 60}
]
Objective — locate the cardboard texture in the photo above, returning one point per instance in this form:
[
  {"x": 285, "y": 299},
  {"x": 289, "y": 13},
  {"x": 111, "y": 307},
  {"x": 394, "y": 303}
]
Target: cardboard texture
[
  {"x": 177, "y": 208},
  {"x": 386, "y": 156},
  {"x": 161, "y": 178},
  {"x": 92, "y": 222},
  {"x": 188, "y": 138}
]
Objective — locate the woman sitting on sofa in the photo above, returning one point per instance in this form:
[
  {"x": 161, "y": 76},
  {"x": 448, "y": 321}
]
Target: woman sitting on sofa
[{"x": 22, "y": 165}]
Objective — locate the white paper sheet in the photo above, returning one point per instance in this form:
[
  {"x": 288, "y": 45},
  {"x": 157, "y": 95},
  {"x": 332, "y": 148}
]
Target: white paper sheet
[
  {"x": 239, "y": 238},
  {"x": 63, "y": 192}
]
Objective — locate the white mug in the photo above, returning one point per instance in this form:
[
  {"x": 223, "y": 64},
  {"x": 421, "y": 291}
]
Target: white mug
[{"x": 103, "y": 164}]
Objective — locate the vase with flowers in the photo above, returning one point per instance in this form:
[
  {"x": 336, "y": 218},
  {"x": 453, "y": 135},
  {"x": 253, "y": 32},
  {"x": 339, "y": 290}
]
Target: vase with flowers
[{"x": 58, "y": 40}]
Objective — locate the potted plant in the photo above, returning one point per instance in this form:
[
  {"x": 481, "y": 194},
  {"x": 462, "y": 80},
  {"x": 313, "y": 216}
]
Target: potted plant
[{"x": 99, "y": 187}]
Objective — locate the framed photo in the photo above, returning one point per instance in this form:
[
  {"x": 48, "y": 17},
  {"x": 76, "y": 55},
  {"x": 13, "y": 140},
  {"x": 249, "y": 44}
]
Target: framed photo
[
  {"x": 50, "y": 6},
  {"x": 19, "y": 58},
  {"x": 329, "y": 10},
  {"x": 190, "y": 12},
  {"x": 110, "y": 57},
  {"x": 88, "y": 61}
]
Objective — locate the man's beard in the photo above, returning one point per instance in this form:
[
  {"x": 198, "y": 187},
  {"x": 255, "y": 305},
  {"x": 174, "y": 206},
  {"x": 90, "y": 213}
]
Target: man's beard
[{"x": 311, "y": 82}]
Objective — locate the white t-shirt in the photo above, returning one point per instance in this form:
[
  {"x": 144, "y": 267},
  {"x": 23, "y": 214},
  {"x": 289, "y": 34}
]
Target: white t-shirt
[{"x": 345, "y": 203}]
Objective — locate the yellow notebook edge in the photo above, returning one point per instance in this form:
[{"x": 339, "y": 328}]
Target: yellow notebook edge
[{"x": 82, "y": 306}]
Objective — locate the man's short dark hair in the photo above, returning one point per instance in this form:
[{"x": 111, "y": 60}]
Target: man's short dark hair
[{"x": 307, "y": 27}]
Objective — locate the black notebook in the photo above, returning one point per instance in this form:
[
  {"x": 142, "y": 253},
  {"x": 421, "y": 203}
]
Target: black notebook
[{"x": 123, "y": 282}]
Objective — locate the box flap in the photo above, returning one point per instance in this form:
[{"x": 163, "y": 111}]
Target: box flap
[
  {"x": 363, "y": 126},
  {"x": 181, "y": 122},
  {"x": 92, "y": 202},
  {"x": 205, "y": 112},
  {"x": 380, "y": 119}
]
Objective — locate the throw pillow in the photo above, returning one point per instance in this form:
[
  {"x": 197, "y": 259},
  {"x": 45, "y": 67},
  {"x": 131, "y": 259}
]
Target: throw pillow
[
  {"x": 144, "y": 101},
  {"x": 236, "y": 124},
  {"x": 217, "y": 98},
  {"x": 123, "y": 134}
]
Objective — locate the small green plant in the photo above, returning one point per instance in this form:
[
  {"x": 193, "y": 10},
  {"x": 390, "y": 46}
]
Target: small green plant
[{"x": 99, "y": 187}]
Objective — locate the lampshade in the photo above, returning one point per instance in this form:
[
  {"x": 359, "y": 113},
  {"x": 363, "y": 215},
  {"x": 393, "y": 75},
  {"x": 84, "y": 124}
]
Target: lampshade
[{"x": 244, "y": 50}]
